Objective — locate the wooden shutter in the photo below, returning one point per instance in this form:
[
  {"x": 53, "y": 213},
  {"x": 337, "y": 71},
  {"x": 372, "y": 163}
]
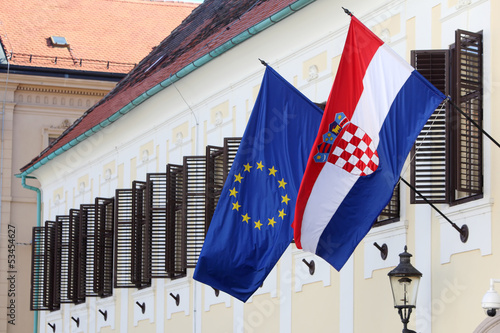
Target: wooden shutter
[
  {"x": 467, "y": 139},
  {"x": 65, "y": 287},
  {"x": 45, "y": 268},
  {"x": 104, "y": 231},
  {"x": 131, "y": 263},
  {"x": 429, "y": 163},
  {"x": 156, "y": 214},
  {"x": 175, "y": 260},
  {"x": 123, "y": 239},
  {"x": 87, "y": 249},
  {"x": 194, "y": 206},
  {"x": 75, "y": 258},
  {"x": 231, "y": 146},
  {"x": 214, "y": 181},
  {"x": 140, "y": 236}
]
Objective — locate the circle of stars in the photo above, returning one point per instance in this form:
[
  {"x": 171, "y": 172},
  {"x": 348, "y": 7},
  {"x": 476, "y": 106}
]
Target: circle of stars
[{"x": 259, "y": 223}]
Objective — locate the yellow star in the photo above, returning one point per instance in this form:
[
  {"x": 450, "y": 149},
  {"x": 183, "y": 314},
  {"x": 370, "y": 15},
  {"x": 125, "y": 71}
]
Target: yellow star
[
  {"x": 260, "y": 165},
  {"x": 281, "y": 213},
  {"x": 247, "y": 167},
  {"x": 238, "y": 178},
  {"x": 233, "y": 192},
  {"x": 285, "y": 199},
  {"x": 271, "y": 222},
  {"x": 236, "y": 206},
  {"x": 272, "y": 171},
  {"x": 258, "y": 224},
  {"x": 282, "y": 183},
  {"x": 245, "y": 218}
]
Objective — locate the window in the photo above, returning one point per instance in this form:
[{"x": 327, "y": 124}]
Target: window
[
  {"x": 131, "y": 238},
  {"x": 175, "y": 259},
  {"x": 391, "y": 212},
  {"x": 194, "y": 202},
  {"x": 156, "y": 215},
  {"x": 447, "y": 156}
]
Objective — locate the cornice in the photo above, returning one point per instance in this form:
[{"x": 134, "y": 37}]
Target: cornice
[{"x": 60, "y": 90}]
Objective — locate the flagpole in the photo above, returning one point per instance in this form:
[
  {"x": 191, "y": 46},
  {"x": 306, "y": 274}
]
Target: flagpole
[
  {"x": 464, "y": 230},
  {"x": 456, "y": 107}
]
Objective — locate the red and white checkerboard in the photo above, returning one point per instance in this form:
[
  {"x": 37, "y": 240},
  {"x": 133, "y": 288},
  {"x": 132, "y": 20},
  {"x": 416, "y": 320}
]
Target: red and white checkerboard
[{"x": 353, "y": 151}]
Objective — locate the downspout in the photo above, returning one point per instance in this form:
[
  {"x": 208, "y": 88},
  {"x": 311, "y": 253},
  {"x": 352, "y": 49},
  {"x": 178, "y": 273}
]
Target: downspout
[{"x": 38, "y": 223}]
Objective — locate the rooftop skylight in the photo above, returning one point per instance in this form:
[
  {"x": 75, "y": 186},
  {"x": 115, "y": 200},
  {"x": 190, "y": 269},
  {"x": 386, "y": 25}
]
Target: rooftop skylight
[{"x": 58, "y": 41}]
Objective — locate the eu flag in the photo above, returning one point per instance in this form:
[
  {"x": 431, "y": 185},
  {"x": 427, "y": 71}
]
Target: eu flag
[{"x": 251, "y": 226}]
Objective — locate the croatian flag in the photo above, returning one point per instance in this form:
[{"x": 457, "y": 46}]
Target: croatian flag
[{"x": 377, "y": 107}]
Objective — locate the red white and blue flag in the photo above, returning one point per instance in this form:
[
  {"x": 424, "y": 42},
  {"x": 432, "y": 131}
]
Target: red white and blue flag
[{"x": 377, "y": 107}]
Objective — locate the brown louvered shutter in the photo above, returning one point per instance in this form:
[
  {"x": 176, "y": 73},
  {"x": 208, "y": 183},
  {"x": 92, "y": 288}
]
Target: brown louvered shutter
[
  {"x": 131, "y": 240},
  {"x": 64, "y": 223},
  {"x": 53, "y": 263},
  {"x": 429, "y": 163},
  {"x": 87, "y": 249},
  {"x": 466, "y": 138},
  {"x": 231, "y": 146},
  {"x": 214, "y": 181},
  {"x": 156, "y": 227},
  {"x": 194, "y": 206},
  {"x": 38, "y": 270},
  {"x": 175, "y": 259},
  {"x": 45, "y": 267},
  {"x": 75, "y": 258},
  {"x": 140, "y": 236},
  {"x": 104, "y": 231},
  {"x": 123, "y": 239}
]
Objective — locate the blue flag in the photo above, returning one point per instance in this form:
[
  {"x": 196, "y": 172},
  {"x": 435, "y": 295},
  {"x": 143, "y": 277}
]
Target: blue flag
[{"x": 251, "y": 226}]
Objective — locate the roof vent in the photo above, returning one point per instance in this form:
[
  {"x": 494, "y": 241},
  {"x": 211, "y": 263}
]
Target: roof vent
[{"x": 58, "y": 41}]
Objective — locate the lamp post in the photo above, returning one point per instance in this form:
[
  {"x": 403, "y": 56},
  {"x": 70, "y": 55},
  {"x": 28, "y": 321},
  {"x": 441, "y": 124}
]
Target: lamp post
[{"x": 404, "y": 284}]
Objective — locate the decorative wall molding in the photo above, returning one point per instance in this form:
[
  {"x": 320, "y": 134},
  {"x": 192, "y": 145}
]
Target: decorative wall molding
[
  {"x": 144, "y": 305},
  {"x": 477, "y": 215},
  {"x": 59, "y": 90}
]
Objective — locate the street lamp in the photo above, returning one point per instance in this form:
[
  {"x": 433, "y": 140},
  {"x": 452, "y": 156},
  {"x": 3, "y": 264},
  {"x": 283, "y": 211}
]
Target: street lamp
[{"x": 404, "y": 284}]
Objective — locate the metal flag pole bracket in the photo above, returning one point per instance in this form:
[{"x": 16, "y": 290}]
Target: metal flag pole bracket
[
  {"x": 177, "y": 298},
  {"x": 464, "y": 230},
  {"x": 104, "y": 314},
  {"x": 311, "y": 265},
  {"x": 53, "y": 326},
  {"x": 77, "y": 321},
  {"x": 142, "y": 306},
  {"x": 383, "y": 250},
  {"x": 456, "y": 107}
]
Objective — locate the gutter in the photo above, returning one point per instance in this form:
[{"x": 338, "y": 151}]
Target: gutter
[
  {"x": 60, "y": 72},
  {"x": 240, "y": 38}
]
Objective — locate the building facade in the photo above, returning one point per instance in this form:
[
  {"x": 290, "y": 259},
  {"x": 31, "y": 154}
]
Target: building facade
[
  {"x": 51, "y": 73},
  {"x": 129, "y": 186}
]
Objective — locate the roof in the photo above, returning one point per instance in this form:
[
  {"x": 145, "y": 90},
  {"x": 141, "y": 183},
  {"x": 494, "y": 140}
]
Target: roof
[
  {"x": 211, "y": 29},
  {"x": 103, "y": 35}
]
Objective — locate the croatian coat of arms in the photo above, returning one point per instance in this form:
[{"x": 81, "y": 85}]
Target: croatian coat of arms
[{"x": 348, "y": 147}]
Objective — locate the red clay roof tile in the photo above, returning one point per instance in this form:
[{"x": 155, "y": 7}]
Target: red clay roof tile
[
  {"x": 210, "y": 25},
  {"x": 103, "y": 35}
]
